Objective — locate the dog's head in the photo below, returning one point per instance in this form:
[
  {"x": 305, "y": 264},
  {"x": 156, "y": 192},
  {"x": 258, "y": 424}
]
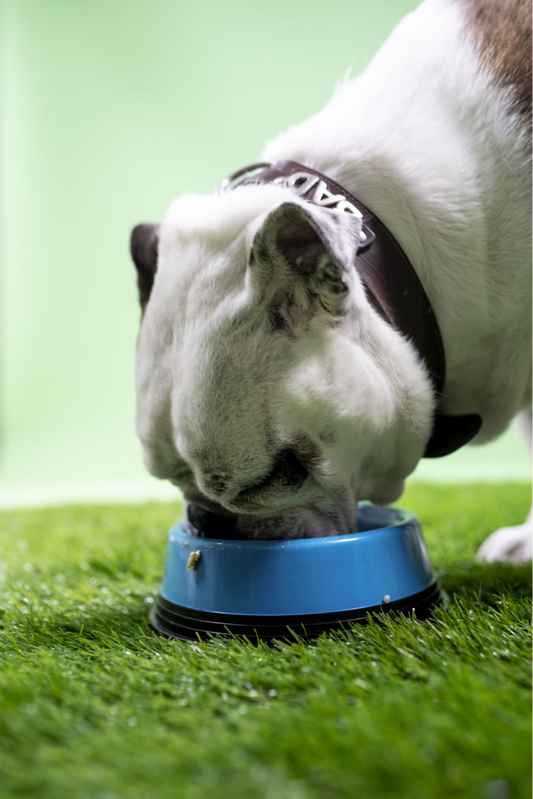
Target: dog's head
[{"x": 268, "y": 389}]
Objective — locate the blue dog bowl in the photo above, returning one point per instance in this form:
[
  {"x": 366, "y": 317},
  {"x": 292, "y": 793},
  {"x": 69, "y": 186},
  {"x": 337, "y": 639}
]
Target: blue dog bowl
[{"x": 271, "y": 589}]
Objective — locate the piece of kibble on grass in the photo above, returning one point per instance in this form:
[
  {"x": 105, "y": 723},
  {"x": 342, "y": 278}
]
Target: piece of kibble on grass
[{"x": 194, "y": 557}]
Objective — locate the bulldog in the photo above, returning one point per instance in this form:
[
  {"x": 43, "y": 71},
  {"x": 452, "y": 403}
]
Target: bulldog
[{"x": 359, "y": 299}]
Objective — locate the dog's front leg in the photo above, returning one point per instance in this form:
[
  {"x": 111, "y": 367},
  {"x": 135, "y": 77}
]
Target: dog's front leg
[{"x": 513, "y": 544}]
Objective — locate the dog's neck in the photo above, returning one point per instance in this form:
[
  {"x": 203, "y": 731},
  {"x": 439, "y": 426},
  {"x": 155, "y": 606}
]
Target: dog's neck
[{"x": 436, "y": 182}]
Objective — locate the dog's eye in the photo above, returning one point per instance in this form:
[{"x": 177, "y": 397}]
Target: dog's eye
[{"x": 287, "y": 472}]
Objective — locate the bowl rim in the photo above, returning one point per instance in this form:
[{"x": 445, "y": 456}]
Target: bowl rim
[{"x": 402, "y": 516}]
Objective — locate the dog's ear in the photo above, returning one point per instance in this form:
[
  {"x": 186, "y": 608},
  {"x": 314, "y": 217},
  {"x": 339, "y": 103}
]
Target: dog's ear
[
  {"x": 143, "y": 247},
  {"x": 302, "y": 262}
]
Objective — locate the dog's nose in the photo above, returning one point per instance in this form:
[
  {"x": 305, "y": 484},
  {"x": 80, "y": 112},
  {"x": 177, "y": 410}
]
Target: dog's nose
[{"x": 215, "y": 483}]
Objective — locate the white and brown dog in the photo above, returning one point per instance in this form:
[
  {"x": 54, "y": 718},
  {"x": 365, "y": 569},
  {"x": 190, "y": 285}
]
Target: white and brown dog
[{"x": 270, "y": 388}]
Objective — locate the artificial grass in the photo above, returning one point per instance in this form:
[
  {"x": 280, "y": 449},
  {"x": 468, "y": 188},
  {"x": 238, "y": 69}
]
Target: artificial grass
[{"x": 93, "y": 704}]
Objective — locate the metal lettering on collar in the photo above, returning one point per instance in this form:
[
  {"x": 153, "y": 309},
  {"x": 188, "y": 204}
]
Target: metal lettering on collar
[{"x": 303, "y": 182}]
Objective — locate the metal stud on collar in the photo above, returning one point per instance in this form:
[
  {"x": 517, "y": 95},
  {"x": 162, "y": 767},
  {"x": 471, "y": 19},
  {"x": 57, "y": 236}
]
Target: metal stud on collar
[{"x": 228, "y": 182}]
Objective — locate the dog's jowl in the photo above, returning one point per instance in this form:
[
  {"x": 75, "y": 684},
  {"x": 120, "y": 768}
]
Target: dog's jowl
[{"x": 359, "y": 299}]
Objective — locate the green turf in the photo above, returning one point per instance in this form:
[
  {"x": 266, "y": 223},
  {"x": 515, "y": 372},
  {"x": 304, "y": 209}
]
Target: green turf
[{"x": 93, "y": 704}]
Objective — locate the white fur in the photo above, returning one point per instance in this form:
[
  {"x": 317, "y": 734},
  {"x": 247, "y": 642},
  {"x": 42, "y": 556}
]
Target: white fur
[
  {"x": 427, "y": 142},
  {"x": 514, "y": 544}
]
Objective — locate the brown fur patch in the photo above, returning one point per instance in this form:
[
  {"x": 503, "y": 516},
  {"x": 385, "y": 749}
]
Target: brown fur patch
[{"x": 502, "y": 33}]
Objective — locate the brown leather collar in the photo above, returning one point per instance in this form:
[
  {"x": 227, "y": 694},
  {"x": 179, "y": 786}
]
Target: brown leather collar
[{"x": 392, "y": 285}]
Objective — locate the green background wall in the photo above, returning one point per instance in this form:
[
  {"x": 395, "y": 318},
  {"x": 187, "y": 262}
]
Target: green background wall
[{"x": 109, "y": 110}]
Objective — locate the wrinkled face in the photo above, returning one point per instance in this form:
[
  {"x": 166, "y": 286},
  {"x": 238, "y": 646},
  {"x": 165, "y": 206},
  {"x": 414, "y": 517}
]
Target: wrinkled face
[{"x": 267, "y": 388}]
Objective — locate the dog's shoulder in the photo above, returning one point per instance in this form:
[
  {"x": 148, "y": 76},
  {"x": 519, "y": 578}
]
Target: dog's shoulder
[{"x": 501, "y": 32}]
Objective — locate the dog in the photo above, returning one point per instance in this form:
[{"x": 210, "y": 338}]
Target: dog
[{"x": 272, "y": 386}]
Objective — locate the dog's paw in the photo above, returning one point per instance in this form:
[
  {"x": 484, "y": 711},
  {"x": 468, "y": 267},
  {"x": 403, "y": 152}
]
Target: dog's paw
[{"x": 511, "y": 544}]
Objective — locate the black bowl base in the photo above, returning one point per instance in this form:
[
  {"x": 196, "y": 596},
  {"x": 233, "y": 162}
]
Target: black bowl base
[{"x": 189, "y": 624}]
